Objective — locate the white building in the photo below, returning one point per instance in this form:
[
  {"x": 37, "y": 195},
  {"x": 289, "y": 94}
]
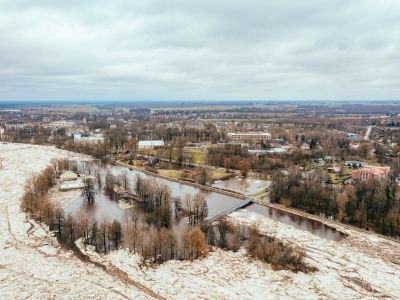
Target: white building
[
  {"x": 150, "y": 144},
  {"x": 249, "y": 137},
  {"x": 96, "y": 138}
]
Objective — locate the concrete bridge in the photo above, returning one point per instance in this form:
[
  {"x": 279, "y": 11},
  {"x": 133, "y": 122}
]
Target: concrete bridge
[{"x": 242, "y": 204}]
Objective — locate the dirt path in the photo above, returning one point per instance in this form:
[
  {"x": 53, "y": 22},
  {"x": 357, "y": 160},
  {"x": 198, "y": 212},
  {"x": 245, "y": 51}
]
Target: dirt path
[{"x": 116, "y": 273}]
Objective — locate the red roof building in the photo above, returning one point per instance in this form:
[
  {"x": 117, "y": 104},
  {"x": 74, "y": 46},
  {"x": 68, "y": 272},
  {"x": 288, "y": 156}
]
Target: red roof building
[{"x": 369, "y": 172}]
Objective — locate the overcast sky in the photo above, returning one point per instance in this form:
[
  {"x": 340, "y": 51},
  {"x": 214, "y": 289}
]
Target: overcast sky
[{"x": 208, "y": 49}]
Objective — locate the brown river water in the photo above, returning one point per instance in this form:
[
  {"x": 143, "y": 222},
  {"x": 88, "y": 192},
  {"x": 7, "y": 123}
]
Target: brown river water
[{"x": 104, "y": 207}]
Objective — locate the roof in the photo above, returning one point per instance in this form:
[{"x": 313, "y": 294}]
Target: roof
[
  {"x": 381, "y": 171},
  {"x": 155, "y": 143},
  {"x": 68, "y": 175},
  {"x": 249, "y": 133}
]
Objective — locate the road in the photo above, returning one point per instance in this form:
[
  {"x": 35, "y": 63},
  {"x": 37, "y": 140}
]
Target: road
[{"x": 366, "y": 136}]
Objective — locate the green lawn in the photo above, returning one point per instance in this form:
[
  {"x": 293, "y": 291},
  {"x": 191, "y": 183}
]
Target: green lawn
[
  {"x": 199, "y": 156},
  {"x": 373, "y": 163}
]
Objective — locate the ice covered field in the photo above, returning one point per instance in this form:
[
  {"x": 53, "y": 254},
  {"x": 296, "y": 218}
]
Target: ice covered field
[
  {"x": 362, "y": 266},
  {"x": 32, "y": 266}
]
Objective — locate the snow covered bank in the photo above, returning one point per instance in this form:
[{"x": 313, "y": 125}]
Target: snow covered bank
[
  {"x": 32, "y": 265},
  {"x": 362, "y": 265}
]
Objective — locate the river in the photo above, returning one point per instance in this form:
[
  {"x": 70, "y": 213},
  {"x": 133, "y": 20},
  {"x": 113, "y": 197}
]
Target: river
[{"x": 108, "y": 208}]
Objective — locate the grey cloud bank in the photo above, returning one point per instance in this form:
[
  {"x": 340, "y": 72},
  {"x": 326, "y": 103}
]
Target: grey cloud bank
[{"x": 199, "y": 49}]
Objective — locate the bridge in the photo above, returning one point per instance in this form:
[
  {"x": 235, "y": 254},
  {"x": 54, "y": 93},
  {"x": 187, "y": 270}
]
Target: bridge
[
  {"x": 131, "y": 197},
  {"x": 242, "y": 204}
]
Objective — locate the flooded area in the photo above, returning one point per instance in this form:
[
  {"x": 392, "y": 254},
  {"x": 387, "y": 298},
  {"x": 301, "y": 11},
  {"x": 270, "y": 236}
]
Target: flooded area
[
  {"x": 104, "y": 207},
  {"x": 246, "y": 186},
  {"x": 314, "y": 227}
]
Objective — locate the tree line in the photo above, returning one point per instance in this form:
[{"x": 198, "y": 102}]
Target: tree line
[{"x": 372, "y": 204}]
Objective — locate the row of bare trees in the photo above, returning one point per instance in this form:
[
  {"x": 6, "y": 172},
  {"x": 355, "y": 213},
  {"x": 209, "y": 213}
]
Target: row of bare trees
[
  {"x": 159, "y": 244},
  {"x": 105, "y": 235},
  {"x": 34, "y": 201},
  {"x": 276, "y": 253}
]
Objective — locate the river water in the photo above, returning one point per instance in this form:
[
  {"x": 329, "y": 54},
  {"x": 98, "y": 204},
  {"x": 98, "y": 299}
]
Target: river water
[
  {"x": 108, "y": 208},
  {"x": 246, "y": 186}
]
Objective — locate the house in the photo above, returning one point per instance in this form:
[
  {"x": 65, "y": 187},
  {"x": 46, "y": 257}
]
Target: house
[
  {"x": 191, "y": 172},
  {"x": 152, "y": 160},
  {"x": 91, "y": 139},
  {"x": 150, "y": 144},
  {"x": 276, "y": 150},
  {"x": 329, "y": 159},
  {"x": 355, "y": 163},
  {"x": 352, "y": 137},
  {"x": 7, "y": 136},
  {"x": 369, "y": 172},
  {"x": 71, "y": 185}
]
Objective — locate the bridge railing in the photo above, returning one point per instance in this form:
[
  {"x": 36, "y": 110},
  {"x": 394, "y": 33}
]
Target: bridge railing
[{"x": 229, "y": 210}]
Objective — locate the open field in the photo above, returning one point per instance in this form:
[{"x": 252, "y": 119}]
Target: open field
[{"x": 198, "y": 156}]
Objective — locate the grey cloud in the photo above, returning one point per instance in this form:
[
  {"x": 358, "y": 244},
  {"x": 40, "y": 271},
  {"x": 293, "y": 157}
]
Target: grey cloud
[{"x": 334, "y": 49}]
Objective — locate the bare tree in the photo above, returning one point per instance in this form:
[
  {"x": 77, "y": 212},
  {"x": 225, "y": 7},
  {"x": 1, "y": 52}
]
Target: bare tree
[
  {"x": 110, "y": 184},
  {"x": 88, "y": 191},
  {"x": 196, "y": 208},
  {"x": 204, "y": 176},
  {"x": 124, "y": 180}
]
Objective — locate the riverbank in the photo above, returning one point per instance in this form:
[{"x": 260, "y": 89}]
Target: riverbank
[{"x": 334, "y": 224}]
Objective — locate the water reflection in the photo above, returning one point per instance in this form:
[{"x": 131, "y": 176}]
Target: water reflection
[
  {"x": 104, "y": 207},
  {"x": 246, "y": 186},
  {"x": 314, "y": 227}
]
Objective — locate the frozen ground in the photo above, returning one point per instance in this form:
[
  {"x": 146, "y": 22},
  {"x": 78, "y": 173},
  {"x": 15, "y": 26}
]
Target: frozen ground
[
  {"x": 362, "y": 266},
  {"x": 32, "y": 265}
]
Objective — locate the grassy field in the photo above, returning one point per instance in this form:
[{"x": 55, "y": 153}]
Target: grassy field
[
  {"x": 217, "y": 174},
  {"x": 198, "y": 156},
  {"x": 373, "y": 163},
  {"x": 170, "y": 173},
  {"x": 339, "y": 178},
  {"x": 220, "y": 173}
]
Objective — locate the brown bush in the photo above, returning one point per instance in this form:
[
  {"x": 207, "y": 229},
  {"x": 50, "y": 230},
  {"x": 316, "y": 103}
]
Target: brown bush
[{"x": 274, "y": 252}]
